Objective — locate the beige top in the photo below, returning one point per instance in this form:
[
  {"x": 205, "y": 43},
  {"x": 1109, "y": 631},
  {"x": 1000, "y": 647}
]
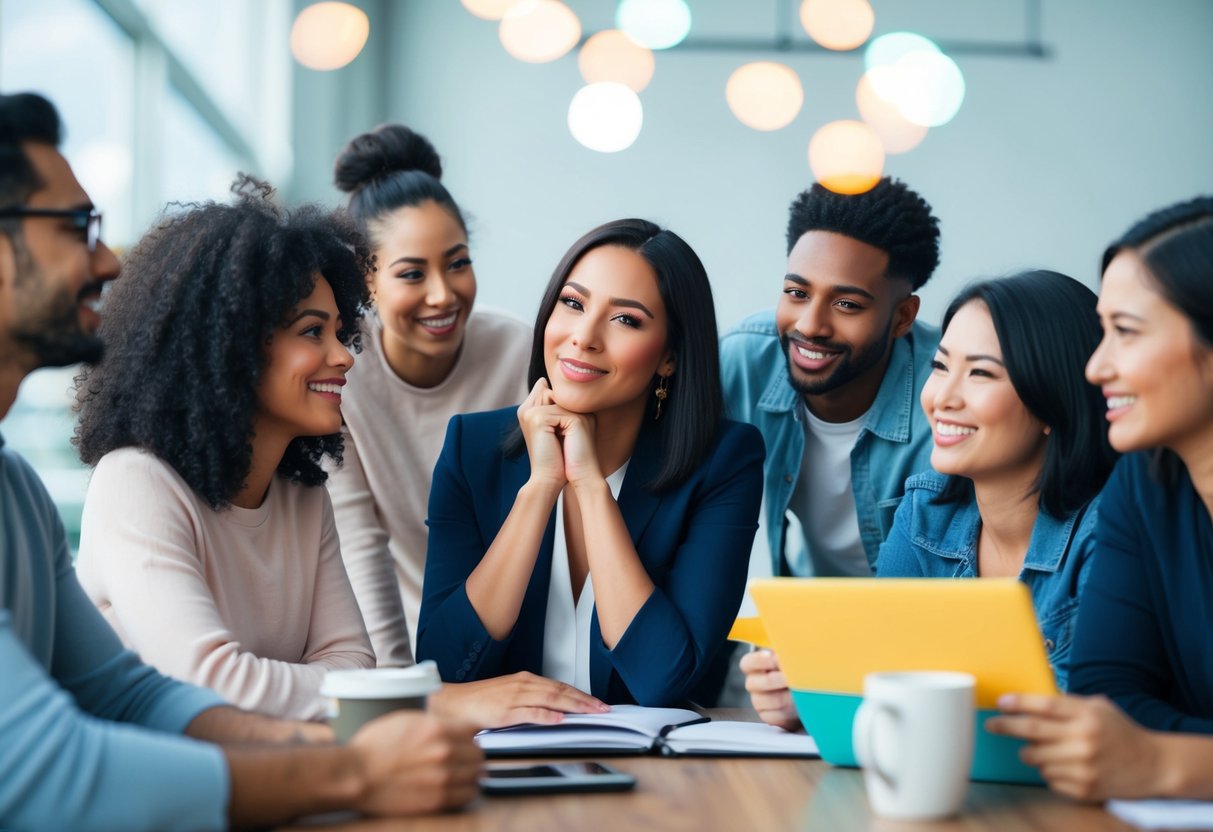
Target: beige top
[
  {"x": 393, "y": 435},
  {"x": 253, "y": 603}
]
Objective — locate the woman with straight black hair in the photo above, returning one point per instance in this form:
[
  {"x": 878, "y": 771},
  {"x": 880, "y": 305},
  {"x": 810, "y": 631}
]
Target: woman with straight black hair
[
  {"x": 1019, "y": 458},
  {"x": 1020, "y": 453},
  {"x": 1142, "y": 648},
  {"x": 600, "y": 533},
  {"x": 1047, "y": 328}
]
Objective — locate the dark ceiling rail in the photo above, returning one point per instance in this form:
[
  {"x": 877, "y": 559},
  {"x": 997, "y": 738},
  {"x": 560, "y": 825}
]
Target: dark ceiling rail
[{"x": 1032, "y": 46}]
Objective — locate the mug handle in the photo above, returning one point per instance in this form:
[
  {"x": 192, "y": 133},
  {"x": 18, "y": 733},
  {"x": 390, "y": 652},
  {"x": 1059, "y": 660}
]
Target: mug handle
[{"x": 863, "y": 737}]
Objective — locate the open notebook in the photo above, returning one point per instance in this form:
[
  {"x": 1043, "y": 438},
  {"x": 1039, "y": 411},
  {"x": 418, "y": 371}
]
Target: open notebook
[{"x": 631, "y": 729}]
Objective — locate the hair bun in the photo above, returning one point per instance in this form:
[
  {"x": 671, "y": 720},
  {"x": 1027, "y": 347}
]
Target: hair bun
[{"x": 385, "y": 150}]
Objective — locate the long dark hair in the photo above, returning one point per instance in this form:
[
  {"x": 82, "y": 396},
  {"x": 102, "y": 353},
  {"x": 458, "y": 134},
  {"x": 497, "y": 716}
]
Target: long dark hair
[
  {"x": 1176, "y": 245},
  {"x": 186, "y": 330},
  {"x": 1047, "y": 326},
  {"x": 692, "y": 412}
]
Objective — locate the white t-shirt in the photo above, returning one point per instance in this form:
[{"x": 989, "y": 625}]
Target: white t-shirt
[
  {"x": 821, "y": 513},
  {"x": 566, "y": 629}
]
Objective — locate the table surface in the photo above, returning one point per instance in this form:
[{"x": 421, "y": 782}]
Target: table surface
[{"x": 745, "y": 793}]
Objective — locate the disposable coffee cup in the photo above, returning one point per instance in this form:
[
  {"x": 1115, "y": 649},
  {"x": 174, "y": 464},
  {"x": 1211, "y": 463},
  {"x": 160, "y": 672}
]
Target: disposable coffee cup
[{"x": 363, "y": 695}]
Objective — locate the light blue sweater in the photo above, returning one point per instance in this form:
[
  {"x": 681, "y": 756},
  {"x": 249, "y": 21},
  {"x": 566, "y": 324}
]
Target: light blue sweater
[{"x": 90, "y": 737}]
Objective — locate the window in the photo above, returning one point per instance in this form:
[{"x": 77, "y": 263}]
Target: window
[{"x": 162, "y": 100}]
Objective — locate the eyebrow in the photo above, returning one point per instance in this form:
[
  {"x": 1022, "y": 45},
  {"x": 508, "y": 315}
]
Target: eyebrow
[
  {"x": 316, "y": 313},
  {"x": 421, "y": 261},
  {"x": 1118, "y": 315},
  {"x": 625, "y": 302},
  {"x": 839, "y": 289},
  {"x": 974, "y": 357}
]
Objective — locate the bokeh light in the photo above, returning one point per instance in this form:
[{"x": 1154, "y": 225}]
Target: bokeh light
[
  {"x": 328, "y": 36},
  {"x": 613, "y": 56},
  {"x": 489, "y": 9},
  {"x": 837, "y": 24},
  {"x": 911, "y": 73},
  {"x": 539, "y": 31},
  {"x": 657, "y": 24},
  {"x": 887, "y": 50},
  {"x": 930, "y": 88},
  {"x": 846, "y": 157},
  {"x": 606, "y": 116},
  {"x": 896, "y": 132},
  {"x": 764, "y": 95}
]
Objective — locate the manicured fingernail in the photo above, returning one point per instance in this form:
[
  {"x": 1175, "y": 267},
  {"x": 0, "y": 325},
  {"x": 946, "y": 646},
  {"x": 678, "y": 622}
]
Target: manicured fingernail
[
  {"x": 602, "y": 706},
  {"x": 1007, "y": 700}
]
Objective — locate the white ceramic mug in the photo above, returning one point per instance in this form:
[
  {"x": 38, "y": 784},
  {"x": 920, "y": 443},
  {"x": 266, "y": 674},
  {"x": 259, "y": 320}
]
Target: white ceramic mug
[{"x": 913, "y": 735}]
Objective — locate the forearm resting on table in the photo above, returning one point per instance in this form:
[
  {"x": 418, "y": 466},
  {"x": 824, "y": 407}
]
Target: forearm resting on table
[
  {"x": 271, "y": 785},
  {"x": 232, "y": 725},
  {"x": 1184, "y": 766}
]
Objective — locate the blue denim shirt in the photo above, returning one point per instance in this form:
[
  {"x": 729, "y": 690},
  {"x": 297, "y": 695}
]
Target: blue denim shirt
[
  {"x": 894, "y": 443},
  {"x": 940, "y": 541}
]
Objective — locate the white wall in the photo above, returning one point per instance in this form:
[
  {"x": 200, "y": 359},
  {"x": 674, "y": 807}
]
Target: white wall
[{"x": 1047, "y": 160}]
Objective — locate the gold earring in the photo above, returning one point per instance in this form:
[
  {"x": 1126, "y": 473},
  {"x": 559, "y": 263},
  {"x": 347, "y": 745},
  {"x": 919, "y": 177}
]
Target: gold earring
[{"x": 661, "y": 393}]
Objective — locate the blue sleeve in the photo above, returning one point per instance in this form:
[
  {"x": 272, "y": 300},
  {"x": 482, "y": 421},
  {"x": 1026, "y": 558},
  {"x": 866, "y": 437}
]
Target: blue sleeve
[
  {"x": 733, "y": 376},
  {"x": 897, "y": 558},
  {"x": 63, "y": 769},
  {"x": 107, "y": 680},
  {"x": 1119, "y": 649},
  {"x": 448, "y": 629},
  {"x": 1077, "y": 574},
  {"x": 675, "y": 634}
]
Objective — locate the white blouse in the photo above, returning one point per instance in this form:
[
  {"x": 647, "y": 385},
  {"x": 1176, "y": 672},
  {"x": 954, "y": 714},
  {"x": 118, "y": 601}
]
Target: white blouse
[{"x": 566, "y": 629}]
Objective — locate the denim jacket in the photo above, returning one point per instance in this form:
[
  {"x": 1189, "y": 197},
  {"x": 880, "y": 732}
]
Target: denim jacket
[
  {"x": 894, "y": 443},
  {"x": 940, "y": 541}
]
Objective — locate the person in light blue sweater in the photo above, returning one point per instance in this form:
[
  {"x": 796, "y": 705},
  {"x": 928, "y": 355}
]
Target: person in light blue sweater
[
  {"x": 1019, "y": 453},
  {"x": 90, "y": 737},
  {"x": 1142, "y": 653}
]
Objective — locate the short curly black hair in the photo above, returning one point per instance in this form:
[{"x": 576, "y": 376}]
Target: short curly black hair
[
  {"x": 890, "y": 217},
  {"x": 186, "y": 329}
]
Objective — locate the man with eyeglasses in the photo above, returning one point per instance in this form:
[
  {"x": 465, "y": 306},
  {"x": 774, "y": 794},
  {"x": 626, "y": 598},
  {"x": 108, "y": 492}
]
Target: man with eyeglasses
[{"x": 90, "y": 737}]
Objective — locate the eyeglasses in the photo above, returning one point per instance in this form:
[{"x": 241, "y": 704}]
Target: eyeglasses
[{"x": 84, "y": 220}]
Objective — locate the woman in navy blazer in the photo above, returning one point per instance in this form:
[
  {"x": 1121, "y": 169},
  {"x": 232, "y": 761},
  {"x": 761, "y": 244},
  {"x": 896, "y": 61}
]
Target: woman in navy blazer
[
  {"x": 1142, "y": 651},
  {"x": 600, "y": 533}
]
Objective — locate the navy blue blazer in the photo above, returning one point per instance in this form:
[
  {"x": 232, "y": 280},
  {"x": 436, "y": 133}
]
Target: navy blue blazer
[{"x": 694, "y": 541}]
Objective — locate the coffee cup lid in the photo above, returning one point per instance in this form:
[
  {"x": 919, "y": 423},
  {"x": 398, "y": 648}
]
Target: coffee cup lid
[{"x": 382, "y": 682}]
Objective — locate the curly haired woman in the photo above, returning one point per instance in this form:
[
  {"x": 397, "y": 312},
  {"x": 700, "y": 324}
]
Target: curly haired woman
[{"x": 208, "y": 540}]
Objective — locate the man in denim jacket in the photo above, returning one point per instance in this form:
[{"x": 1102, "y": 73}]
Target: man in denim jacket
[{"x": 831, "y": 376}]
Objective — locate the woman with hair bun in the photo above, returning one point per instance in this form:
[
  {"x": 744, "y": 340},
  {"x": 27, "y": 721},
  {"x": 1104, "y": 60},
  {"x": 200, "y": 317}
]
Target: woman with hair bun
[{"x": 427, "y": 358}]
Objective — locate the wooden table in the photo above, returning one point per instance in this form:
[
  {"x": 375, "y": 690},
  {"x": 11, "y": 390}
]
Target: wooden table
[{"x": 699, "y": 794}]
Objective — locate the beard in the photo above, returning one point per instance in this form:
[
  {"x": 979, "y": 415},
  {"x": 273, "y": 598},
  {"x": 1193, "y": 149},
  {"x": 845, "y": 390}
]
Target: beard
[
  {"x": 851, "y": 364},
  {"x": 51, "y": 329}
]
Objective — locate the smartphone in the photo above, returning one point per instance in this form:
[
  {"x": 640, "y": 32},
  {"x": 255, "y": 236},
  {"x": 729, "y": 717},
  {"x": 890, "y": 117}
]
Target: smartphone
[{"x": 549, "y": 778}]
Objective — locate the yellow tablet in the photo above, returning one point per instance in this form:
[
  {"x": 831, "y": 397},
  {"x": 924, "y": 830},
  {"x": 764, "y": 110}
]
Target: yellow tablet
[{"x": 830, "y": 632}]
